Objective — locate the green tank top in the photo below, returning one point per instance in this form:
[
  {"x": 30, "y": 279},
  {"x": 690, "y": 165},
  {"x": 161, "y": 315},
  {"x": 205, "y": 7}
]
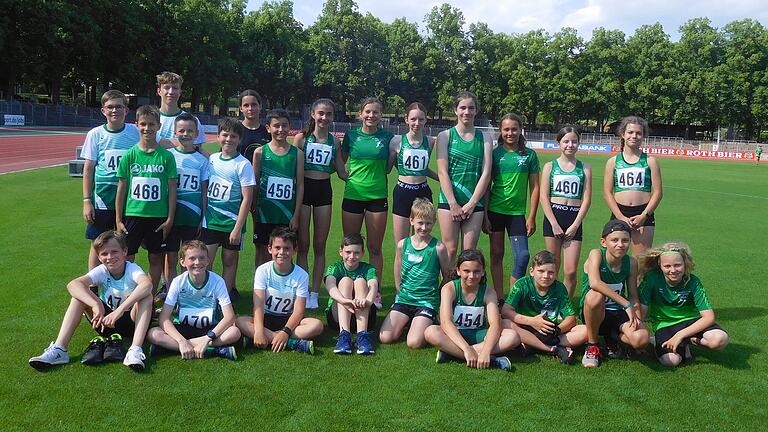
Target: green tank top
[
  {"x": 277, "y": 186},
  {"x": 465, "y": 165},
  {"x": 634, "y": 177},
  {"x": 420, "y": 272},
  {"x": 566, "y": 184},
  {"x": 413, "y": 161},
  {"x": 616, "y": 281},
  {"x": 320, "y": 156},
  {"x": 469, "y": 316}
]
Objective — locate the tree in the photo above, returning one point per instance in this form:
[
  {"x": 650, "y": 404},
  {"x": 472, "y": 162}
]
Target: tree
[
  {"x": 561, "y": 74},
  {"x": 487, "y": 50},
  {"x": 524, "y": 68},
  {"x": 651, "y": 88},
  {"x": 447, "y": 54},
  {"x": 602, "y": 73},
  {"x": 407, "y": 74}
]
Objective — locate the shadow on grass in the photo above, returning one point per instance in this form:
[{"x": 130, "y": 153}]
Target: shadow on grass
[
  {"x": 735, "y": 356},
  {"x": 740, "y": 313}
]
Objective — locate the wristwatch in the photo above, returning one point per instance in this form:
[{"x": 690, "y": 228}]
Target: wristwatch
[{"x": 211, "y": 335}]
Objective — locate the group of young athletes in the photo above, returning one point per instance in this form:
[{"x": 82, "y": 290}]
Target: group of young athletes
[{"x": 150, "y": 185}]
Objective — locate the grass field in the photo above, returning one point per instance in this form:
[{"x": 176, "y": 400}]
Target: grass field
[{"x": 718, "y": 208}]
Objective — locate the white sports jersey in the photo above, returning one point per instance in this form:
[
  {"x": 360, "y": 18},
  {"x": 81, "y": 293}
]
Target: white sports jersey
[
  {"x": 281, "y": 290},
  {"x": 114, "y": 291},
  {"x": 197, "y": 307},
  {"x": 167, "y": 124},
  {"x": 106, "y": 147}
]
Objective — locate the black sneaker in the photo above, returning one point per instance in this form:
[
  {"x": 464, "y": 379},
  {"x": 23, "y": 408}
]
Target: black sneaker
[
  {"x": 564, "y": 354},
  {"x": 114, "y": 350},
  {"x": 94, "y": 354},
  {"x": 525, "y": 351}
]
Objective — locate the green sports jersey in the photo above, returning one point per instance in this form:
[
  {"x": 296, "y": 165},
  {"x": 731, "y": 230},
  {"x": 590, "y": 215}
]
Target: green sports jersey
[
  {"x": 338, "y": 271},
  {"x": 277, "y": 186},
  {"x": 413, "y": 161},
  {"x": 228, "y": 177},
  {"x": 616, "y": 281},
  {"x": 671, "y": 305},
  {"x": 193, "y": 173},
  {"x": 147, "y": 175},
  {"x": 636, "y": 176},
  {"x": 469, "y": 316},
  {"x": 320, "y": 156},
  {"x": 368, "y": 155},
  {"x": 526, "y": 300},
  {"x": 106, "y": 147},
  {"x": 419, "y": 285},
  {"x": 510, "y": 173},
  {"x": 566, "y": 184},
  {"x": 465, "y": 165}
]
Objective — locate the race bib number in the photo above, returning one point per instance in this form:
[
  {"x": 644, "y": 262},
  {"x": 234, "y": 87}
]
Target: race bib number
[
  {"x": 112, "y": 160},
  {"x": 414, "y": 258},
  {"x": 631, "y": 178},
  {"x": 278, "y": 302},
  {"x": 189, "y": 180},
  {"x": 279, "y": 188},
  {"x": 196, "y": 317},
  {"x": 415, "y": 159},
  {"x": 319, "y": 154},
  {"x": 617, "y": 288},
  {"x": 219, "y": 189},
  {"x": 113, "y": 298},
  {"x": 145, "y": 189},
  {"x": 566, "y": 185},
  {"x": 468, "y": 317}
]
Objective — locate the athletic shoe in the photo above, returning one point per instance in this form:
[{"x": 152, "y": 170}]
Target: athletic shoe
[
  {"x": 134, "y": 358},
  {"x": 312, "y": 300},
  {"x": 156, "y": 350},
  {"x": 565, "y": 354},
  {"x": 304, "y": 346},
  {"x": 442, "y": 357},
  {"x": 228, "y": 352},
  {"x": 234, "y": 295},
  {"x": 344, "y": 344},
  {"x": 364, "y": 344},
  {"x": 592, "y": 357},
  {"x": 51, "y": 356},
  {"x": 94, "y": 354},
  {"x": 502, "y": 363},
  {"x": 114, "y": 349},
  {"x": 247, "y": 342},
  {"x": 525, "y": 351},
  {"x": 377, "y": 301}
]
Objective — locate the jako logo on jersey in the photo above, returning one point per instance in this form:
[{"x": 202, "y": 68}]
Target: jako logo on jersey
[
  {"x": 138, "y": 169},
  {"x": 135, "y": 169}
]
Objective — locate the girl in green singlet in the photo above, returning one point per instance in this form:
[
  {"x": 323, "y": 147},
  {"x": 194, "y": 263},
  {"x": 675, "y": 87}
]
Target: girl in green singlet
[{"x": 632, "y": 184}]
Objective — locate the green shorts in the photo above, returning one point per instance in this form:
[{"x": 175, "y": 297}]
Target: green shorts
[{"x": 473, "y": 336}]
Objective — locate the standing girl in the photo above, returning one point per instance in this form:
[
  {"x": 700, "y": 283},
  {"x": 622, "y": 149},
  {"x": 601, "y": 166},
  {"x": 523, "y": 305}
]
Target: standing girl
[
  {"x": 320, "y": 160},
  {"x": 566, "y": 194},
  {"x": 632, "y": 184},
  {"x": 515, "y": 175},
  {"x": 365, "y": 195},
  {"x": 410, "y": 152},
  {"x": 464, "y": 170},
  {"x": 470, "y": 324}
]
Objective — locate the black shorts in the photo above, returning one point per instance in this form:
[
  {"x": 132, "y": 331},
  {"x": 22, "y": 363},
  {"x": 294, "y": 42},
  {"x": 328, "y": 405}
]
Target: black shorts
[
  {"x": 104, "y": 220},
  {"x": 514, "y": 224},
  {"x": 630, "y": 211},
  {"x": 415, "y": 311},
  {"x": 666, "y": 333},
  {"x": 178, "y": 235},
  {"x": 125, "y": 326},
  {"x": 275, "y": 322},
  {"x": 211, "y": 237},
  {"x": 445, "y": 206},
  {"x": 551, "y": 339},
  {"x": 317, "y": 193},
  {"x": 190, "y": 332},
  {"x": 378, "y": 205},
  {"x": 611, "y": 325},
  {"x": 142, "y": 232},
  {"x": 405, "y": 194},
  {"x": 564, "y": 215},
  {"x": 262, "y": 231},
  {"x": 332, "y": 323}
]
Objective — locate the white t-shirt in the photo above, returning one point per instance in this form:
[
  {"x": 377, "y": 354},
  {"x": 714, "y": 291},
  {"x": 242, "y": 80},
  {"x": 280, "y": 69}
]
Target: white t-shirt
[
  {"x": 167, "y": 123},
  {"x": 114, "y": 291},
  {"x": 197, "y": 307},
  {"x": 280, "y": 290}
]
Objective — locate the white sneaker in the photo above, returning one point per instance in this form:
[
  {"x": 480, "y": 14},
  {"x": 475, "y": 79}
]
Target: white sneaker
[
  {"x": 134, "y": 358},
  {"x": 377, "y": 301},
  {"x": 52, "y": 356},
  {"x": 312, "y": 300}
]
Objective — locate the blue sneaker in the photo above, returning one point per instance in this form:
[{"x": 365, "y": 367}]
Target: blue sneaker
[
  {"x": 304, "y": 346},
  {"x": 228, "y": 352},
  {"x": 364, "y": 344},
  {"x": 502, "y": 363},
  {"x": 344, "y": 345}
]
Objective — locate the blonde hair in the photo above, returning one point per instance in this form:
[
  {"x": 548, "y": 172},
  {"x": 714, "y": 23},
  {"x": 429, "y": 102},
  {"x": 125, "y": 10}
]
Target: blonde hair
[
  {"x": 649, "y": 260},
  {"x": 423, "y": 208},
  {"x": 191, "y": 245},
  {"x": 169, "y": 78}
]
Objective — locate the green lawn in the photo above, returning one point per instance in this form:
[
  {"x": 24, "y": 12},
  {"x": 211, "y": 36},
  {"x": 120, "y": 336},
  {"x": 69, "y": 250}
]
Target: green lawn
[{"x": 718, "y": 208}]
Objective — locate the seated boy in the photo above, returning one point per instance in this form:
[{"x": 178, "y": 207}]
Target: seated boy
[
  {"x": 122, "y": 287},
  {"x": 280, "y": 291},
  {"x": 203, "y": 316}
]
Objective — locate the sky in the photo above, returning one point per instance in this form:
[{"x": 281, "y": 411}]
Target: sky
[{"x": 520, "y": 16}]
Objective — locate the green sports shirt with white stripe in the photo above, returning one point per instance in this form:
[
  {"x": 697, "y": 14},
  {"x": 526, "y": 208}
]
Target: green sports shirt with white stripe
[
  {"x": 320, "y": 156},
  {"x": 419, "y": 285},
  {"x": 413, "y": 161},
  {"x": 147, "y": 173},
  {"x": 277, "y": 186},
  {"x": 526, "y": 300},
  {"x": 368, "y": 155},
  {"x": 472, "y": 315},
  {"x": 566, "y": 184},
  {"x": 632, "y": 176},
  {"x": 670, "y": 305},
  {"x": 465, "y": 165},
  {"x": 193, "y": 172},
  {"x": 106, "y": 148},
  {"x": 617, "y": 281},
  {"x": 510, "y": 173},
  {"x": 228, "y": 177}
]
